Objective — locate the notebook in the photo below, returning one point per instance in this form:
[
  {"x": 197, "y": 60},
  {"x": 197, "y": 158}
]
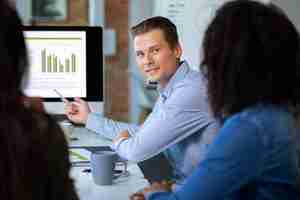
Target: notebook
[{"x": 83, "y": 154}]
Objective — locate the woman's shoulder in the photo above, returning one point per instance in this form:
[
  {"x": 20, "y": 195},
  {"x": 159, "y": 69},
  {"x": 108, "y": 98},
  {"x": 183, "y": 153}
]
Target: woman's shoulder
[
  {"x": 265, "y": 117},
  {"x": 266, "y": 112}
]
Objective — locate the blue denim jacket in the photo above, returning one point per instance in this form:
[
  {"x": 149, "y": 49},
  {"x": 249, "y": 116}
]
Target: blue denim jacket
[{"x": 253, "y": 157}]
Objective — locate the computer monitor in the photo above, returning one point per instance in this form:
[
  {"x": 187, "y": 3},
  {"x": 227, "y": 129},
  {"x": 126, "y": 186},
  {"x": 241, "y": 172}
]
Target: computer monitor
[{"x": 66, "y": 59}]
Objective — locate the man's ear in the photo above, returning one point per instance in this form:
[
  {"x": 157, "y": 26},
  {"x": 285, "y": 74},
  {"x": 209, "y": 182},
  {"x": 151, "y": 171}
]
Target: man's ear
[{"x": 178, "y": 51}]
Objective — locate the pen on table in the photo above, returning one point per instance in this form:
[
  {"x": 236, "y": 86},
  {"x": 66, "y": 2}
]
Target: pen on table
[
  {"x": 88, "y": 170},
  {"x": 115, "y": 171},
  {"x": 74, "y": 138},
  {"x": 62, "y": 98}
]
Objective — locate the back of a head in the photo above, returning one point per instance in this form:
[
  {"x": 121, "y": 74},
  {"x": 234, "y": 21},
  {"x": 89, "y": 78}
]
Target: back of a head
[
  {"x": 13, "y": 62},
  {"x": 157, "y": 23},
  {"x": 34, "y": 153},
  {"x": 35, "y": 160},
  {"x": 250, "y": 55}
]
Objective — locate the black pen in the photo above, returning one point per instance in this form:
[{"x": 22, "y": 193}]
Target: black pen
[{"x": 87, "y": 170}]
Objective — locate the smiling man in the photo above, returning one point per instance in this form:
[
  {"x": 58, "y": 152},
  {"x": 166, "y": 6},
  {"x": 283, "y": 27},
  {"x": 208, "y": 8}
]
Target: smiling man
[
  {"x": 156, "y": 58},
  {"x": 181, "y": 124}
]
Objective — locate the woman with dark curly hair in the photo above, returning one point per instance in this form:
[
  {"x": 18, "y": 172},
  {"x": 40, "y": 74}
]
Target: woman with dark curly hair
[
  {"x": 34, "y": 154},
  {"x": 251, "y": 64}
]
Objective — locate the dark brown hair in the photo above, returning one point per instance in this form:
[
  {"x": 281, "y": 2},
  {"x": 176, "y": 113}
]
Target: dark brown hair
[
  {"x": 13, "y": 53},
  {"x": 158, "y": 23},
  {"x": 250, "y": 55},
  {"x": 34, "y": 154}
]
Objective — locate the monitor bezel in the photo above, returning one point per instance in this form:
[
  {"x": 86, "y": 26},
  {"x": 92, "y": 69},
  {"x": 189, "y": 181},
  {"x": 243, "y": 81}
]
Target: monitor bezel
[{"x": 94, "y": 57}]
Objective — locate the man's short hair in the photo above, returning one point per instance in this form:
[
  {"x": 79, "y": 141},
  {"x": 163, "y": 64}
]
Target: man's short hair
[{"x": 158, "y": 23}]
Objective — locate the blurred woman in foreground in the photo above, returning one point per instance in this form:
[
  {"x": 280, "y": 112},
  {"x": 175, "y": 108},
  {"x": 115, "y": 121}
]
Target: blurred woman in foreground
[{"x": 34, "y": 154}]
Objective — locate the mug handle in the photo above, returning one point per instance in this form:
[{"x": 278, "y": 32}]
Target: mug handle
[{"x": 124, "y": 172}]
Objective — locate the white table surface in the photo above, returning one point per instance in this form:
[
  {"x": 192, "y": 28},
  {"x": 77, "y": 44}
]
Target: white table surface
[{"x": 121, "y": 188}]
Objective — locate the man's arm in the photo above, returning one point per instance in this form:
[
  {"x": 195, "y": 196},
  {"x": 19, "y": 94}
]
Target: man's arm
[
  {"x": 108, "y": 128},
  {"x": 122, "y": 136},
  {"x": 183, "y": 114},
  {"x": 79, "y": 112}
]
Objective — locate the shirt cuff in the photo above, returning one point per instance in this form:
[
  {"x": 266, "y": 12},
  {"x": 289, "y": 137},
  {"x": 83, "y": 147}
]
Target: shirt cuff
[
  {"x": 93, "y": 121},
  {"x": 115, "y": 145}
]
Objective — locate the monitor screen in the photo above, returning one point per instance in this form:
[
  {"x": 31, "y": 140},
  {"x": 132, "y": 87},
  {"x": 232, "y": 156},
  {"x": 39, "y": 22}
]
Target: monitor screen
[{"x": 64, "y": 59}]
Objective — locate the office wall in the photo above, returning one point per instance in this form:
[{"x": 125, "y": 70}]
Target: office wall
[
  {"x": 77, "y": 15},
  {"x": 292, "y": 8},
  {"x": 191, "y": 18},
  {"x": 116, "y": 103}
]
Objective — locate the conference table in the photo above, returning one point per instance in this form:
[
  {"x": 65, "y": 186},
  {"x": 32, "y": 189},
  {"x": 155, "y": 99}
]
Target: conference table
[{"x": 121, "y": 188}]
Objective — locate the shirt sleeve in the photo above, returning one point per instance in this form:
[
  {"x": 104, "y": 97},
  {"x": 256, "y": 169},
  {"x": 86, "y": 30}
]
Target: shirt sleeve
[
  {"x": 184, "y": 113},
  {"x": 108, "y": 128},
  {"x": 233, "y": 161}
]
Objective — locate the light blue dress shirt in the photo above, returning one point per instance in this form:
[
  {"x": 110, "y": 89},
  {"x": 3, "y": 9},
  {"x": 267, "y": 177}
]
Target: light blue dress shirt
[{"x": 181, "y": 125}]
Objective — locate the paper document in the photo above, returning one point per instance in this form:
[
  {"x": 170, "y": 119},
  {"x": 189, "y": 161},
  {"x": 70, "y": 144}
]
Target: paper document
[{"x": 79, "y": 155}]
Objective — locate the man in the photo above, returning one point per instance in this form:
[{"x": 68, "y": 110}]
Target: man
[{"x": 180, "y": 125}]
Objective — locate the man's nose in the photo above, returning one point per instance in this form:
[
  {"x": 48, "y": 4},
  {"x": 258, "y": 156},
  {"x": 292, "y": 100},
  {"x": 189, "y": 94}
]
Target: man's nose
[{"x": 148, "y": 59}]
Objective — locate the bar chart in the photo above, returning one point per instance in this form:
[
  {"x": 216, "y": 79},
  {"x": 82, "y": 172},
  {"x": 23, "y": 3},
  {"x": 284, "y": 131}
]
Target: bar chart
[
  {"x": 57, "y": 61},
  {"x": 52, "y": 63}
]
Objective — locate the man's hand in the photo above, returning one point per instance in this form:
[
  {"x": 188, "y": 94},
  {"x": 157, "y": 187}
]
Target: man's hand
[
  {"x": 77, "y": 111},
  {"x": 164, "y": 186},
  {"x": 123, "y": 135},
  {"x": 137, "y": 196}
]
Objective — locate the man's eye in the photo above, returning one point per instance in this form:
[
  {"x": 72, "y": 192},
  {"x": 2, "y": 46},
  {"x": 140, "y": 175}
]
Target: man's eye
[
  {"x": 156, "y": 50},
  {"x": 139, "y": 54}
]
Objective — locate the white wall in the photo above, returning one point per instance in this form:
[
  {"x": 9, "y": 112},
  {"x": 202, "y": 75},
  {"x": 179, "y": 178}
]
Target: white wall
[
  {"x": 292, "y": 9},
  {"x": 191, "y": 18},
  {"x": 96, "y": 13},
  {"x": 24, "y": 10}
]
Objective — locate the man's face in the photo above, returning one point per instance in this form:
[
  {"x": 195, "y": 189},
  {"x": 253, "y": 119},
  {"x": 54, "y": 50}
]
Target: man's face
[{"x": 155, "y": 58}]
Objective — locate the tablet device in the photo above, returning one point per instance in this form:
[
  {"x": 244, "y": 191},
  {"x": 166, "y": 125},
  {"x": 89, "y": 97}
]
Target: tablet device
[{"x": 156, "y": 169}]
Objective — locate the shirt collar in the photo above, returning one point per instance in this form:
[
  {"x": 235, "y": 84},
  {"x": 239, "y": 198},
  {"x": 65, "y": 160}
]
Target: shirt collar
[{"x": 180, "y": 73}]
